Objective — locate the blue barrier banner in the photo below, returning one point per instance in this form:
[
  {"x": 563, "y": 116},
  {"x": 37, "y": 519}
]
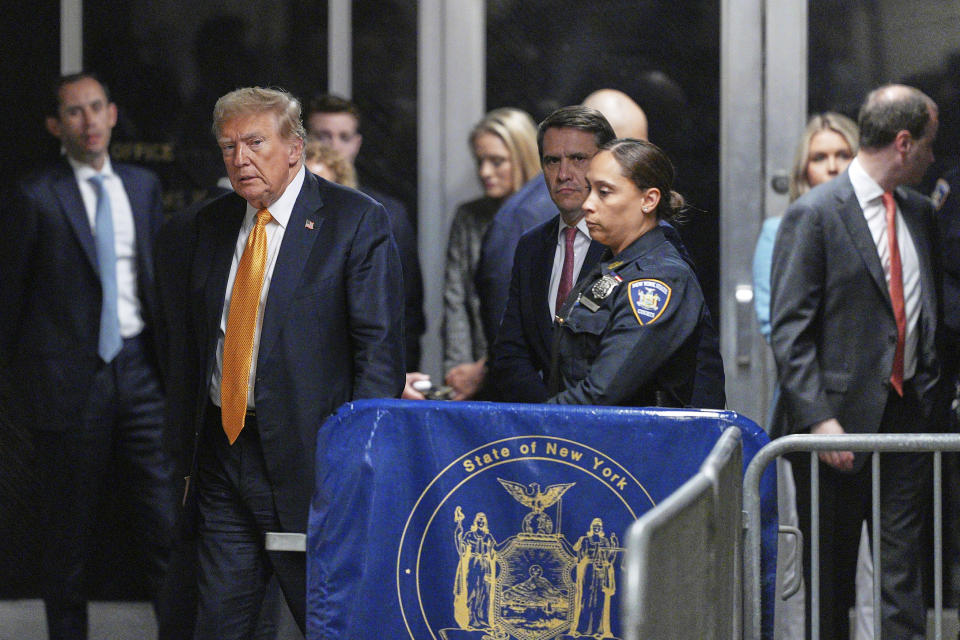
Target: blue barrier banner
[{"x": 474, "y": 520}]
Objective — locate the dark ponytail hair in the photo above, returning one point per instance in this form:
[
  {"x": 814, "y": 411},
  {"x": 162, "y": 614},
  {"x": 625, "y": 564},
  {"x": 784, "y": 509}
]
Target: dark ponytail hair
[{"x": 648, "y": 166}]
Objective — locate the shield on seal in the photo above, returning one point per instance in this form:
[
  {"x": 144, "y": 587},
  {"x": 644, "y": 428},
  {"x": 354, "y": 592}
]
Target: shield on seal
[{"x": 534, "y": 598}]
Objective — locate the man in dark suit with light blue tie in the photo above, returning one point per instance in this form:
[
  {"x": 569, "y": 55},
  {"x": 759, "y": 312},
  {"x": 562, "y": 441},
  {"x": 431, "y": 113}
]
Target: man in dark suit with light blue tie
[
  {"x": 322, "y": 324},
  {"x": 76, "y": 337}
]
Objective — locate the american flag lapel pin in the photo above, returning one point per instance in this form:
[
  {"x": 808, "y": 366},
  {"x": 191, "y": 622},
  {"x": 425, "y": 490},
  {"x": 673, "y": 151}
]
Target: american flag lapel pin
[{"x": 309, "y": 224}]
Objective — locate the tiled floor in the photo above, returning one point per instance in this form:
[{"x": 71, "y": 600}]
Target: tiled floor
[{"x": 24, "y": 620}]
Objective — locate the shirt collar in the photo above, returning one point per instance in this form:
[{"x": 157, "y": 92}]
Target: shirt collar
[
  {"x": 581, "y": 226},
  {"x": 864, "y": 187},
  {"x": 84, "y": 171},
  {"x": 282, "y": 209}
]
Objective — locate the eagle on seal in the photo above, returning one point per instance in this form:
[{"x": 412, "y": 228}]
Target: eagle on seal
[{"x": 531, "y": 496}]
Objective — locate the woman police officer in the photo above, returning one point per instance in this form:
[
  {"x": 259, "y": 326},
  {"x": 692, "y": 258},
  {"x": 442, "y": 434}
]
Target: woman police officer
[{"x": 628, "y": 334}]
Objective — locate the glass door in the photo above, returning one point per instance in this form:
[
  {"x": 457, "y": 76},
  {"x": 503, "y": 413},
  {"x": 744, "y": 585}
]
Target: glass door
[{"x": 763, "y": 101}]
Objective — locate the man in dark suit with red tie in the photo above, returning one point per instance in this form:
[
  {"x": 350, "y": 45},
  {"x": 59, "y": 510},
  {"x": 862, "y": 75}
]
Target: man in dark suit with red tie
[
  {"x": 568, "y": 138},
  {"x": 292, "y": 296},
  {"x": 549, "y": 259},
  {"x": 854, "y": 316},
  {"x": 77, "y": 340}
]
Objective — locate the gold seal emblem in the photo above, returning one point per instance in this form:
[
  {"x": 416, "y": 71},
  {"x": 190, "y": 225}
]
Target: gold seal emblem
[
  {"x": 535, "y": 585},
  {"x": 536, "y": 561}
]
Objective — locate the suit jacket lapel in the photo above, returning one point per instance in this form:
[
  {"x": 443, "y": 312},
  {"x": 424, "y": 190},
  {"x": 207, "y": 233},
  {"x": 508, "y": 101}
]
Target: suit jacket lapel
[
  {"x": 71, "y": 203},
  {"x": 216, "y": 241},
  {"x": 593, "y": 257},
  {"x": 850, "y": 213},
  {"x": 143, "y": 226},
  {"x": 298, "y": 240},
  {"x": 920, "y": 236},
  {"x": 144, "y": 219},
  {"x": 540, "y": 286}
]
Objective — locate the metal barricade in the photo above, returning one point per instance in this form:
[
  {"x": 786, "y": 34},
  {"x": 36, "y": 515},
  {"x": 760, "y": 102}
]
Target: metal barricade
[
  {"x": 877, "y": 443},
  {"x": 683, "y": 559}
]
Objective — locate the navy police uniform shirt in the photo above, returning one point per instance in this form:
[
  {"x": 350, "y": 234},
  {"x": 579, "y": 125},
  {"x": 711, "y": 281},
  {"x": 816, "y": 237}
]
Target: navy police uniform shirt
[{"x": 628, "y": 335}]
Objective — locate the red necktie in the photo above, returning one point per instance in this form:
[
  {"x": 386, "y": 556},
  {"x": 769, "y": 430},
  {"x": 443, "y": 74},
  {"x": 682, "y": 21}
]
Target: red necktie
[
  {"x": 566, "y": 276},
  {"x": 896, "y": 291}
]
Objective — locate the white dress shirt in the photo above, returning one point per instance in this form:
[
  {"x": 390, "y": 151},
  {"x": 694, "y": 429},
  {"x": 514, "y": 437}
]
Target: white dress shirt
[
  {"x": 124, "y": 237},
  {"x": 280, "y": 211},
  {"x": 870, "y": 196},
  {"x": 581, "y": 243}
]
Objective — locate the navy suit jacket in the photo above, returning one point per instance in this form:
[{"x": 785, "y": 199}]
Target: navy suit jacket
[
  {"x": 415, "y": 322},
  {"x": 524, "y": 210},
  {"x": 332, "y": 325},
  {"x": 522, "y": 351},
  {"x": 50, "y": 292},
  {"x": 834, "y": 334}
]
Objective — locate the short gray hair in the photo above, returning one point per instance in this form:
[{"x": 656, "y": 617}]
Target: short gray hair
[{"x": 259, "y": 100}]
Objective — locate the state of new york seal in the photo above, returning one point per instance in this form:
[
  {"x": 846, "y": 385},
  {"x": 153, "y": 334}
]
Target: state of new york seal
[{"x": 518, "y": 540}]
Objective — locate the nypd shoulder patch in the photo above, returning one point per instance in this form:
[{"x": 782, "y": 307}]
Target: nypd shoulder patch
[{"x": 648, "y": 299}]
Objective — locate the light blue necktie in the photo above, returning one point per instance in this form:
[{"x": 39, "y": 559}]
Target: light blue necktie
[{"x": 110, "y": 340}]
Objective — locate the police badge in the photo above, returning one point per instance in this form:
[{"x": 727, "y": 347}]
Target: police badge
[
  {"x": 600, "y": 290},
  {"x": 604, "y": 286}
]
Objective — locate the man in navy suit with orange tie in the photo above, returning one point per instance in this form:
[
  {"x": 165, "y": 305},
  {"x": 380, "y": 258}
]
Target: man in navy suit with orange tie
[
  {"x": 293, "y": 301},
  {"x": 76, "y": 337}
]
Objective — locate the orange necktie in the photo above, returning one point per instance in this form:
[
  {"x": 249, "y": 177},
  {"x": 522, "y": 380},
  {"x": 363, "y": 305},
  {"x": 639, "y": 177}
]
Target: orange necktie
[
  {"x": 896, "y": 291},
  {"x": 241, "y": 326}
]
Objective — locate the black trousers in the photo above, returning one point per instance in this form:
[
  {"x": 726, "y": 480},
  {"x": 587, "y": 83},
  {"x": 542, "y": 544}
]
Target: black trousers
[
  {"x": 236, "y": 507},
  {"x": 845, "y": 503},
  {"x": 116, "y": 446}
]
